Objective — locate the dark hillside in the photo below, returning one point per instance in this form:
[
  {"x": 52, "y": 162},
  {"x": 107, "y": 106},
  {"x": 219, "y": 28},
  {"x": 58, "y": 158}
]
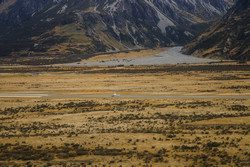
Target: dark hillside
[{"x": 229, "y": 38}]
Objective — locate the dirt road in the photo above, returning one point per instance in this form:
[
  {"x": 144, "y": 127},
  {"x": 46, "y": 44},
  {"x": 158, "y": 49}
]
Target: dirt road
[{"x": 132, "y": 96}]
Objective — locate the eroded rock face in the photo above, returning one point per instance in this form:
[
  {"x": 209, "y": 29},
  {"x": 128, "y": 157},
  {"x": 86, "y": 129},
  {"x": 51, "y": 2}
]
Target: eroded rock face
[{"x": 104, "y": 25}]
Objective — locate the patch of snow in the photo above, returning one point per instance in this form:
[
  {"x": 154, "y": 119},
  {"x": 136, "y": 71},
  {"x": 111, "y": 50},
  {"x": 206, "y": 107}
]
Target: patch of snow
[
  {"x": 50, "y": 8},
  {"x": 95, "y": 8},
  {"x": 63, "y": 9},
  {"x": 247, "y": 32},
  {"x": 117, "y": 32},
  {"x": 111, "y": 8},
  {"x": 188, "y": 34},
  {"x": 172, "y": 4},
  {"x": 79, "y": 16},
  {"x": 49, "y": 19},
  {"x": 36, "y": 44},
  {"x": 133, "y": 29},
  {"x": 164, "y": 21},
  {"x": 190, "y": 20},
  {"x": 57, "y": 1},
  {"x": 193, "y": 2},
  {"x": 134, "y": 39},
  {"x": 33, "y": 14},
  {"x": 210, "y": 8}
]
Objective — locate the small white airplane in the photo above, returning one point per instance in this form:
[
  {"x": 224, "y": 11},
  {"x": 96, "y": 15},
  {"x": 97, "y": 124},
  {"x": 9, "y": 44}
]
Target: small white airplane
[{"x": 115, "y": 95}]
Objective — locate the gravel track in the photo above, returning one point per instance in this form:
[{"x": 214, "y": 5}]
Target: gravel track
[{"x": 143, "y": 96}]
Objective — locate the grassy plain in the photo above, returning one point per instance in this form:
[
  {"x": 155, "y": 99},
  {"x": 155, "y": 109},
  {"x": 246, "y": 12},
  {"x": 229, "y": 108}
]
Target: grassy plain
[
  {"x": 55, "y": 58},
  {"x": 165, "y": 124}
]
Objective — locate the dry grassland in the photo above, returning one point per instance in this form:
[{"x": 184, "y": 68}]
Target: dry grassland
[
  {"x": 126, "y": 55},
  {"x": 132, "y": 131}
]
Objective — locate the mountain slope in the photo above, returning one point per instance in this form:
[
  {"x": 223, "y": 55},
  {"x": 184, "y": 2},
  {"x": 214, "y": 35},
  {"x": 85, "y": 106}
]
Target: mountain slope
[
  {"x": 66, "y": 27},
  {"x": 229, "y": 38}
]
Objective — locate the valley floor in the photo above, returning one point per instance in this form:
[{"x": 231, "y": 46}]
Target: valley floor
[
  {"x": 157, "y": 56},
  {"x": 166, "y": 115},
  {"x": 172, "y": 55}
]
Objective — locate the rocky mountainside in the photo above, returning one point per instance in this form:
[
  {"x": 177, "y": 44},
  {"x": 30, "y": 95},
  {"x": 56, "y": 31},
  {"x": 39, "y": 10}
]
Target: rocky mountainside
[
  {"x": 229, "y": 38},
  {"x": 53, "y": 27}
]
